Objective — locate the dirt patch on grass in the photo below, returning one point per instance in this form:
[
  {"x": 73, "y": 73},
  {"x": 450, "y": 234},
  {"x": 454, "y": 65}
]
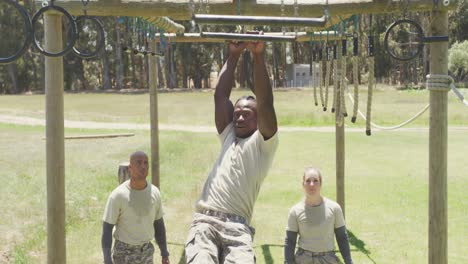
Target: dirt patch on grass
[{"x": 5, "y": 257}]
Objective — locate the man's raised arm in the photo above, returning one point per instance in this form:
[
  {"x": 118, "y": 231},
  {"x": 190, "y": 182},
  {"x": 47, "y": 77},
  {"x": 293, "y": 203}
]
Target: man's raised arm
[
  {"x": 223, "y": 106},
  {"x": 267, "y": 124}
]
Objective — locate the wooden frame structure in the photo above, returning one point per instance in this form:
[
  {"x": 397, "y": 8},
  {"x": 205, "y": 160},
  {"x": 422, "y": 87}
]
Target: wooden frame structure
[{"x": 180, "y": 10}]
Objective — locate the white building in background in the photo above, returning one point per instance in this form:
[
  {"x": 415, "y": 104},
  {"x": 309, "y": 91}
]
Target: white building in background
[{"x": 298, "y": 75}]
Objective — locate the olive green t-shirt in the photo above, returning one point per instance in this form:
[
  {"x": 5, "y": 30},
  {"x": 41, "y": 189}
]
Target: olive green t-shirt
[
  {"x": 133, "y": 213},
  {"x": 316, "y": 224},
  {"x": 235, "y": 179}
]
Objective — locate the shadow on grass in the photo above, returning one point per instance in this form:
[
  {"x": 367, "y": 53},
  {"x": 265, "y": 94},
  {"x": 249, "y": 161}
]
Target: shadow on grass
[
  {"x": 182, "y": 254},
  {"x": 360, "y": 245},
  {"x": 266, "y": 252}
]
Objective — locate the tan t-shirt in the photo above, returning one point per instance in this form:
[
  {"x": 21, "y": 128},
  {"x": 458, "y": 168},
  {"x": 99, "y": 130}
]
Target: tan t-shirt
[
  {"x": 133, "y": 213},
  {"x": 234, "y": 182},
  {"x": 316, "y": 224}
]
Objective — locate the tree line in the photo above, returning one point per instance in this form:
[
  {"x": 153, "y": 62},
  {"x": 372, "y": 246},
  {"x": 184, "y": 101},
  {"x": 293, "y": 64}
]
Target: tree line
[{"x": 189, "y": 65}]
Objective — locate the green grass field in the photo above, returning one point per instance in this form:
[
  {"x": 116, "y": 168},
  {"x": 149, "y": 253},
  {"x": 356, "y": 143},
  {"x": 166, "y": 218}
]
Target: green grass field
[
  {"x": 386, "y": 175},
  {"x": 294, "y": 108}
]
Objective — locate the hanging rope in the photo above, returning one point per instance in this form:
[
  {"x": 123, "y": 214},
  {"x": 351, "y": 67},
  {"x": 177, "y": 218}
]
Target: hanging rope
[
  {"x": 335, "y": 76},
  {"x": 356, "y": 88},
  {"x": 320, "y": 64},
  {"x": 339, "y": 114},
  {"x": 335, "y": 81},
  {"x": 384, "y": 127},
  {"x": 327, "y": 78},
  {"x": 166, "y": 23},
  {"x": 370, "y": 50},
  {"x": 369, "y": 95},
  {"x": 314, "y": 81},
  {"x": 440, "y": 82},
  {"x": 355, "y": 68},
  {"x": 312, "y": 56},
  {"x": 343, "y": 79},
  {"x": 339, "y": 91},
  {"x": 435, "y": 82},
  {"x": 458, "y": 94}
]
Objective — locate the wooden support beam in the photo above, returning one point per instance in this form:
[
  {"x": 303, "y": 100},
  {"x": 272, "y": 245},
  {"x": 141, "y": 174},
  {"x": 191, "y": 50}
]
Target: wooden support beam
[
  {"x": 180, "y": 9},
  {"x": 301, "y": 37},
  {"x": 153, "y": 93},
  {"x": 210, "y": 19},
  {"x": 100, "y": 136},
  {"x": 438, "y": 145},
  {"x": 55, "y": 143},
  {"x": 339, "y": 136}
]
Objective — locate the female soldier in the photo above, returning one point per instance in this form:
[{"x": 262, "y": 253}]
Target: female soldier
[{"x": 316, "y": 219}]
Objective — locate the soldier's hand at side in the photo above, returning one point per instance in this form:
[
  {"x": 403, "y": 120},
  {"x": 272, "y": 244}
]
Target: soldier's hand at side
[{"x": 165, "y": 260}]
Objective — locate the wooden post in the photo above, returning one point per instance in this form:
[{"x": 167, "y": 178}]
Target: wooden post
[
  {"x": 339, "y": 137},
  {"x": 55, "y": 143},
  {"x": 153, "y": 91},
  {"x": 438, "y": 146},
  {"x": 124, "y": 173}
]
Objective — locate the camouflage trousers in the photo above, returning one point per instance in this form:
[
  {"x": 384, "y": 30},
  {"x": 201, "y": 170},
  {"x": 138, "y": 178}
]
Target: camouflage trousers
[
  {"x": 124, "y": 253},
  {"x": 308, "y": 257},
  {"x": 212, "y": 240}
]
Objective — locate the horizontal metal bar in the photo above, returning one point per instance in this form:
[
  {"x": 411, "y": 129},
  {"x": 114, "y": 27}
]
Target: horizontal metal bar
[
  {"x": 300, "y": 37},
  {"x": 433, "y": 39},
  {"x": 246, "y": 37},
  {"x": 207, "y": 19}
]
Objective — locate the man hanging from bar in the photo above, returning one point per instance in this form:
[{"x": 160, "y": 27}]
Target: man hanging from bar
[{"x": 220, "y": 230}]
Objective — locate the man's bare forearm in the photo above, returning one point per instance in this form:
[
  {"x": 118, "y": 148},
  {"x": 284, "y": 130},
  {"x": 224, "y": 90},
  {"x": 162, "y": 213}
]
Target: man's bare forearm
[
  {"x": 226, "y": 76},
  {"x": 223, "y": 106},
  {"x": 267, "y": 123}
]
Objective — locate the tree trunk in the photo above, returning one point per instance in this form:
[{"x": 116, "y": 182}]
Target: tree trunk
[
  {"x": 167, "y": 66},
  {"x": 134, "y": 63},
  {"x": 248, "y": 71},
  {"x": 106, "y": 80},
  {"x": 184, "y": 63},
  {"x": 81, "y": 75},
  {"x": 143, "y": 72},
  {"x": 160, "y": 74},
  {"x": 36, "y": 78},
  {"x": 12, "y": 72},
  {"x": 118, "y": 58},
  {"x": 174, "y": 83},
  {"x": 242, "y": 71},
  {"x": 42, "y": 66}
]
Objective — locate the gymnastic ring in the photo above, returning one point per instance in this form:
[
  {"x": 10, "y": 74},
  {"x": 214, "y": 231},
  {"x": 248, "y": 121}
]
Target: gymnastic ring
[
  {"x": 28, "y": 33},
  {"x": 74, "y": 28},
  {"x": 420, "y": 34},
  {"x": 101, "y": 37}
]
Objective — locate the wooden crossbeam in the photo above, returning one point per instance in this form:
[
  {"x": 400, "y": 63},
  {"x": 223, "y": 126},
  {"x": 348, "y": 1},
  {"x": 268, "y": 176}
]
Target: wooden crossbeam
[
  {"x": 180, "y": 9},
  {"x": 210, "y": 19}
]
